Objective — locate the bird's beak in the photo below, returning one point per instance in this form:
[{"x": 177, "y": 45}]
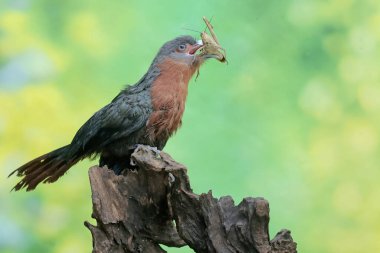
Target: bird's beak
[{"x": 194, "y": 48}]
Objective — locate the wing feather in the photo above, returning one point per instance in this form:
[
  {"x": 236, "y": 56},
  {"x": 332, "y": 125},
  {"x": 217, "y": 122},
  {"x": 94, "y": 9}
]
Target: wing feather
[{"x": 119, "y": 119}]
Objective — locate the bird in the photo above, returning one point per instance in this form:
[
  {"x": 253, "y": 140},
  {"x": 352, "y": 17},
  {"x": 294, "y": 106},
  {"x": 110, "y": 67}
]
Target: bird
[{"x": 148, "y": 112}]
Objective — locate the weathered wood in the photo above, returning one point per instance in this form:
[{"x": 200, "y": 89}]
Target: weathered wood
[{"x": 139, "y": 210}]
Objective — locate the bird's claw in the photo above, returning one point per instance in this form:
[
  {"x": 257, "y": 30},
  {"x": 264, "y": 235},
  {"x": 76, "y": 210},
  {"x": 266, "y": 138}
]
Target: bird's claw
[
  {"x": 171, "y": 178},
  {"x": 132, "y": 162},
  {"x": 156, "y": 152}
]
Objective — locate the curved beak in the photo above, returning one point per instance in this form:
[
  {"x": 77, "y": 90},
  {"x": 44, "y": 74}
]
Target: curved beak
[{"x": 194, "y": 48}]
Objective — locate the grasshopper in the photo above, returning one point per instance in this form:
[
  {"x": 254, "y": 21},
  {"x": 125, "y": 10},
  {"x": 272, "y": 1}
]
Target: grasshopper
[{"x": 211, "y": 44}]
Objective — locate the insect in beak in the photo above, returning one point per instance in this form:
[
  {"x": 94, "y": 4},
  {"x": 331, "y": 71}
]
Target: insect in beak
[
  {"x": 194, "y": 48},
  {"x": 211, "y": 47}
]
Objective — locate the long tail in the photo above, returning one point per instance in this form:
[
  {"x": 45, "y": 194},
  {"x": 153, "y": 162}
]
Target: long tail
[{"x": 46, "y": 168}]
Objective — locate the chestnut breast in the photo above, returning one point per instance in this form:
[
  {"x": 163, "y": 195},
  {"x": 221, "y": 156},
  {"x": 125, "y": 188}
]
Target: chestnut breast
[{"x": 168, "y": 93}]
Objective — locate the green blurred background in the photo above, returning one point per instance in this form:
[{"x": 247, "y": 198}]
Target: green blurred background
[{"x": 294, "y": 117}]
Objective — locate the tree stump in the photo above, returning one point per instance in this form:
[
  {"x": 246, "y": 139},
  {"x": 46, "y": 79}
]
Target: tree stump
[{"x": 139, "y": 210}]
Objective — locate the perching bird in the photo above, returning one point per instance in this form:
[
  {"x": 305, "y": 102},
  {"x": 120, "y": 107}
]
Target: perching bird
[{"x": 148, "y": 112}]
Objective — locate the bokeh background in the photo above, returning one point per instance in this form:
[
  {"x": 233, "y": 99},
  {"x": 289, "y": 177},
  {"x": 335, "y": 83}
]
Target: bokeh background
[{"x": 294, "y": 117}]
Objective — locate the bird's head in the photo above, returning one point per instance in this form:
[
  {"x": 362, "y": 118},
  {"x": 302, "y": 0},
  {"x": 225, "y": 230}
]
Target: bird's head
[
  {"x": 178, "y": 57},
  {"x": 181, "y": 50},
  {"x": 180, "y": 54}
]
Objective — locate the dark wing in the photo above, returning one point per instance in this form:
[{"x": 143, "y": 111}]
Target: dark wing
[{"x": 119, "y": 119}]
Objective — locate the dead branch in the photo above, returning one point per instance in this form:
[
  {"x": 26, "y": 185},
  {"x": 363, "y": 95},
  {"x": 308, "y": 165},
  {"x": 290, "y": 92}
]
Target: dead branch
[{"x": 139, "y": 210}]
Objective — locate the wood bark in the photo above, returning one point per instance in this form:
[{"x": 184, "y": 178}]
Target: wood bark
[{"x": 154, "y": 204}]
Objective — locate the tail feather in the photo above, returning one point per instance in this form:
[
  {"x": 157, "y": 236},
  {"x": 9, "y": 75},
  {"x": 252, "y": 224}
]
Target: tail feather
[{"x": 46, "y": 168}]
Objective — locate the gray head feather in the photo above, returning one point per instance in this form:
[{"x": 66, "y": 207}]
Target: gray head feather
[
  {"x": 170, "y": 46},
  {"x": 153, "y": 71}
]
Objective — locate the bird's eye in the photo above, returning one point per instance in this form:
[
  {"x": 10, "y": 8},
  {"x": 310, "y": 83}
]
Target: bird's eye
[{"x": 182, "y": 47}]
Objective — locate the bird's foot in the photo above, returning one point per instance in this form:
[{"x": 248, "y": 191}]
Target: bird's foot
[
  {"x": 133, "y": 147},
  {"x": 156, "y": 152},
  {"x": 132, "y": 162}
]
